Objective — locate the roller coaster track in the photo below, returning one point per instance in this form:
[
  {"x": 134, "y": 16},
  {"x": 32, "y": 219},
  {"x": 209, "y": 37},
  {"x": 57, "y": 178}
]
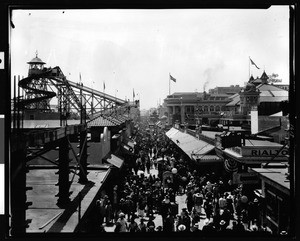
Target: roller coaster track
[
  {"x": 67, "y": 89},
  {"x": 25, "y": 84}
]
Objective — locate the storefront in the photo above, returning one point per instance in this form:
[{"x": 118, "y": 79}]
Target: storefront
[{"x": 275, "y": 191}]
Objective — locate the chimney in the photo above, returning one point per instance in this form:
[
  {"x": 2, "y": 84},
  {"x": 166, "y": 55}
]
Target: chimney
[{"x": 254, "y": 121}]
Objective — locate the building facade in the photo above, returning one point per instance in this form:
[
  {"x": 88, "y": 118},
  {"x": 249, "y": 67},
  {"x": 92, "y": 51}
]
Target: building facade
[{"x": 196, "y": 108}]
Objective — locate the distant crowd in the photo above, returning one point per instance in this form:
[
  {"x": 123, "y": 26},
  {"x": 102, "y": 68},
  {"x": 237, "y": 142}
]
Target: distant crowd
[{"x": 141, "y": 197}]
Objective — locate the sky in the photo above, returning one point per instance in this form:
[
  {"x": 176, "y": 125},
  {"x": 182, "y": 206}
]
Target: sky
[{"x": 138, "y": 49}]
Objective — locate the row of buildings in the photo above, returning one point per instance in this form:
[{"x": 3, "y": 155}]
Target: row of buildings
[
  {"x": 225, "y": 105},
  {"x": 242, "y": 134}
]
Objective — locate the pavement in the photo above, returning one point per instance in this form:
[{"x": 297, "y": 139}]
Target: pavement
[{"x": 44, "y": 214}]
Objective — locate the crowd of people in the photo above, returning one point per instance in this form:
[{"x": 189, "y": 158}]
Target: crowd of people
[{"x": 141, "y": 197}]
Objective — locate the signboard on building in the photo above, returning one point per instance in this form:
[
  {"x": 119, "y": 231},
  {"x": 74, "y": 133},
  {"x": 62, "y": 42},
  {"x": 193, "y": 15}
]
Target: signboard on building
[
  {"x": 264, "y": 151},
  {"x": 245, "y": 178}
]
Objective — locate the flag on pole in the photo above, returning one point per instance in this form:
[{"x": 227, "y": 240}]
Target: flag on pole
[
  {"x": 253, "y": 63},
  {"x": 104, "y": 85},
  {"x": 79, "y": 76},
  {"x": 172, "y": 78},
  {"x": 133, "y": 94}
]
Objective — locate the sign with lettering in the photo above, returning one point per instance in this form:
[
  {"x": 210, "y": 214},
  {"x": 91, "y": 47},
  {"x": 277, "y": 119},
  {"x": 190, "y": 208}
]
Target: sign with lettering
[
  {"x": 245, "y": 178},
  {"x": 264, "y": 151}
]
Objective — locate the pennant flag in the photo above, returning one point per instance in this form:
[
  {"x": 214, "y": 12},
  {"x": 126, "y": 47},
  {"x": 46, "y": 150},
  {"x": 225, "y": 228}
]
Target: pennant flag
[
  {"x": 253, "y": 63},
  {"x": 104, "y": 85},
  {"x": 133, "y": 94},
  {"x": 172, "y": 78},
  {"x": 79, "y": 76}
]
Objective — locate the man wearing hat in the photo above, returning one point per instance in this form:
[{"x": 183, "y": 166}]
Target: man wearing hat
[
  {"x": 151, "y": 224},
  {"x": 142, "y": 226},
  {"x": 121, "y": 224}
]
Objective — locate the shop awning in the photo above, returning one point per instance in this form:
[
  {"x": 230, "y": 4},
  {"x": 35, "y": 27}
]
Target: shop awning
[
  {"x": 206, "y": 159},
  {"x": 116, "y": 161},
  {"x": 189, "y": 144}
]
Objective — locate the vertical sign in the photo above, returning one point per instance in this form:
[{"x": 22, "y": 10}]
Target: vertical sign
[{"x": 1, "y": 164}]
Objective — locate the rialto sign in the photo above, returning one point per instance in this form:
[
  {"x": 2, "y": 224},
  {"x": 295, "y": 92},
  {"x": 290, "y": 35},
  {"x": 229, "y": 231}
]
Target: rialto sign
[{"x": 264, "y": 151}]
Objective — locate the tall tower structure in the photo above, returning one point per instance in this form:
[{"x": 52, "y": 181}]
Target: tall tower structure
[
  {"x": 37, "y": 85},
  {"x": 36, "y": 65},
  {"x": 249, "y": 98}
]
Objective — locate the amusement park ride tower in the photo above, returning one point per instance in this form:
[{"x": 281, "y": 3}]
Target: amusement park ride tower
[{"x": 36, "y": 67}]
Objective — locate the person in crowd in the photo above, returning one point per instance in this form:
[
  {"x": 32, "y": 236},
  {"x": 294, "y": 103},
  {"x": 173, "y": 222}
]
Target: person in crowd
[
  {"x": 133, "y": 226},
  {"x": 190, "y": 201},
  {"x": 208, "y": 208},
  {"x": 148, "y": 164},
  {"x": 108, "y": 213},
  {"x": 151, "y": 224},
  {"x": 185, "y": 219},
  {"x": 165, "y": 208},
  {"x": 169, "y": 223},
  {"x": 141, "y": 205},
  {"x": 115, "y": 202},
  {"x": 142, "y": 226},
  {"x": 195, "y": 216},
  {"x": 121, "y": 224},
  {"x": 198, "y": 201}
]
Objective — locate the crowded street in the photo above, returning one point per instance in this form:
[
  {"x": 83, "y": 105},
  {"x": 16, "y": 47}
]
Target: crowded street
[{"x": 161, "y": 192}]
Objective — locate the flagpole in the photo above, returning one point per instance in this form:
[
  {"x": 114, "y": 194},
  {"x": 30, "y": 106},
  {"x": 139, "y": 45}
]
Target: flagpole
[
  {"x": 249, "y": 68},
  {"x": 104, "y": 95},
  {"x": 169, "y": 85}
]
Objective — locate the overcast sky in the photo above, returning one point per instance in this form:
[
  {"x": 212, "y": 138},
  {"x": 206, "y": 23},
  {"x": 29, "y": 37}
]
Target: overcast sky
[{"x": 137, "y": 49}]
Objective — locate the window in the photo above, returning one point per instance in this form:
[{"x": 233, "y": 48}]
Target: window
[
  {"x": 205, "y": 108},
  {"x": 31, "y": 117},
  {"x": 272, "y": 205},
  {"x": 212, "y": 108},
  {"x": 217, "y": 108}
]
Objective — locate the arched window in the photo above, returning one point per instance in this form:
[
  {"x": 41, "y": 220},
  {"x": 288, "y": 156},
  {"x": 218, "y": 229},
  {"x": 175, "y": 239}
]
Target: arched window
[
  {"x": 205, "y": 108},
  {"x": 217, "y": 108},
  {"x": 212, "y": 108}
]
